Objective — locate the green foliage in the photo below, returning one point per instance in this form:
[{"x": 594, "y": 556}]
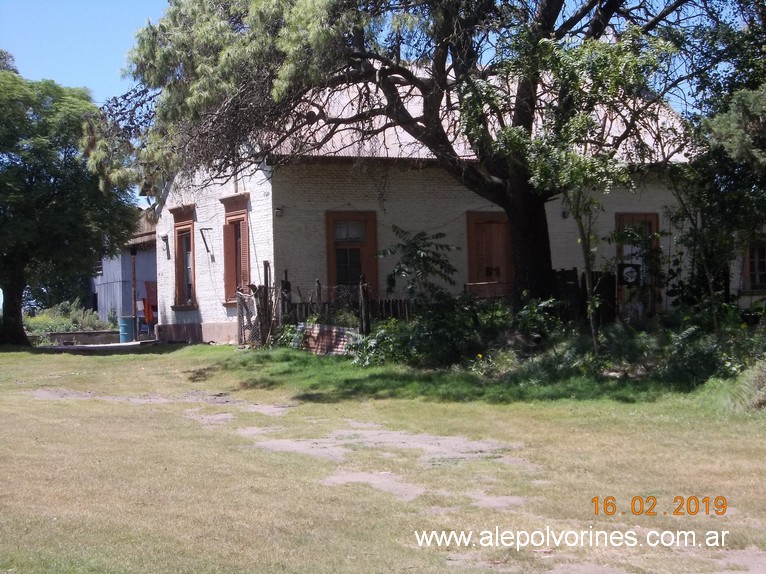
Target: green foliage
[
  {"x": 753, "y": 387},
  {"x": 538, "y": 318},
  {"x": 445, "y": 332},
  {"x": 64, "y": 317},
  {"x": 695, "y": 355},
  {"x": 288, "y": 336},
  {"x": 7, "y": 62},
  {"x": 55, "y": 222},
  {"x": 111, "y": 317},
  {"x": 422, "y": 262},
  {"x": 719, "y": 212},
  {"x": 595, "y": 81},
  {"x": 233, "y": 82},
  {"x": 720, "y": 193},
  {"x": 452, "y": 330},
  {"x": 741, "y": 131}
]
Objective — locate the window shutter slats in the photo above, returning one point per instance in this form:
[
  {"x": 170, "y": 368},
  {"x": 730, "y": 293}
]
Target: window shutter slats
[
  {"x": 244, "y": 254},
  {"x": 229, "y": 265},
  {"x": 180, "y": 268}
]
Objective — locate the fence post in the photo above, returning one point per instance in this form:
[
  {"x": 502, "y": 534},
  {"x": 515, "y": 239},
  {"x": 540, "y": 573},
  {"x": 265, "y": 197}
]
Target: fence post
[
  {"x": 267, "y": 274},
  {"x": 240, "y": 321},
  {"x": 286, "y": 299},
  {"x": 364, "y": 307}
]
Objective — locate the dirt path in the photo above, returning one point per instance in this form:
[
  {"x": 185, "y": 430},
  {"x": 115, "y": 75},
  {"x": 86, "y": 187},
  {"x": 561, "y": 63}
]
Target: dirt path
[{"x": 433, "y": 450}]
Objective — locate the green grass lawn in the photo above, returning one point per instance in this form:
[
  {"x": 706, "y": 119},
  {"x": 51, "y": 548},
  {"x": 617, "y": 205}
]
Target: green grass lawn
[{"x": 211, "y": 459}]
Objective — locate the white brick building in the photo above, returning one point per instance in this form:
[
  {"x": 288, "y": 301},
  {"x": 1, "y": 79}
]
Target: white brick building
[{"x": 326, "y": 218}]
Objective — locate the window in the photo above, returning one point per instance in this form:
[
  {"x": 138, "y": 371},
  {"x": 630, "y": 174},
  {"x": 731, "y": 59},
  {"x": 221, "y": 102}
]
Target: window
[
  {"x": 183, "y": 233},
  {"x": 351, "y": 248},
  {"x": 236, "y": 255},
  {"x": 638, "y": 257},
  {"x": 755, "y": 268},
  {"x": 489, "y": 256}
]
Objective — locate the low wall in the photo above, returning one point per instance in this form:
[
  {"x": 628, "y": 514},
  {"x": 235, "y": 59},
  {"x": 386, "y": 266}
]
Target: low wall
[
  {"x": 179, "y": 333},
  {"x": 327, "y": 339},
  {"x": 84, "y": 337}
]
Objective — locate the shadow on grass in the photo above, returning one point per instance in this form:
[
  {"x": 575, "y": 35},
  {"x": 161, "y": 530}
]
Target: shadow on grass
[
  {"x": 95, "y": 350},
  {"x": 203, "y": 374},
  {"x": 449, "y": 387},
  {"x": 334, "y": 379}
]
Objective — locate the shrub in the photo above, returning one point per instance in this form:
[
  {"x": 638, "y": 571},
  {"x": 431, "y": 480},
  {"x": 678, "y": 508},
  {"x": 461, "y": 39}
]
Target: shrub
[
  {"x": 695, "y": 355},
  {"x": 754, "y": 389},
  {"x": 64, "y": 317},
  {"x": 111, "y": 317},
  {"x": 447, "y": 330},
  {"x": 625, "y": 346},
  {"x": 390, "y": 341},
  {"x": 539, "y": 318},
  {"x": 288, "y": 335}
]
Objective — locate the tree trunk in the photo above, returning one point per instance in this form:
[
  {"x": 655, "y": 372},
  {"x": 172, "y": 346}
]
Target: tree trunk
[
  {"x": 530, "y": 248},
  {"x": 12, "y": 328}
]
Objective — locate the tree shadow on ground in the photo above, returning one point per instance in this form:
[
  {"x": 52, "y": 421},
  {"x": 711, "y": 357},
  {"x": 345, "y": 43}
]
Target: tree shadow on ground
[
  {"x": 96, "y": 350},
  {"x": 335, "y": 379},
  {"x": 451, "y": 388},
  {"x": 203, "y": 374}
]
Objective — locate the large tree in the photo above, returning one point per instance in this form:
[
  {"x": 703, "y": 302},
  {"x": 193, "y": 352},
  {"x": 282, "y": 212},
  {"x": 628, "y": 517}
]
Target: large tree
[
  {"x": 739, "y": 126},
  {"x": 54, "y": 218},
  {"x": 721, "y": 192},
  {"x": 478, "y": 84}
]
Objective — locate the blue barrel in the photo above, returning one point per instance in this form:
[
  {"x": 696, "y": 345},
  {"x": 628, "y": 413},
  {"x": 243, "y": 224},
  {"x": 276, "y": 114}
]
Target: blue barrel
[{"x": 126, "y": 329}]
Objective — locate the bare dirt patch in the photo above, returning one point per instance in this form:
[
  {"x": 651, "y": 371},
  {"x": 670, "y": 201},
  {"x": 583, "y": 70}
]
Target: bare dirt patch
[
  {"x": 268, "y": 410},
  {"x": 214, "y": 420},
  {"x": 60, "y": 394},
  {"x": 249, "y": 432},
  {"x": 362, "y": 424},
  {"x": 188, "y": 397},
  {"x": 585, "y": 568},
  {"x": 320, "y": 448},
  {"x": 435, "y": 448},
  {"x": 393, "y": 484},
  {"x": 490, "y": 501},
  {"x": 383, "y": 481}
]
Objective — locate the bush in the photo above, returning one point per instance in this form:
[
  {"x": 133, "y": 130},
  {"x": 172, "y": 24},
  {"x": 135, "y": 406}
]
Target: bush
[
  {"x": 64, "y": 317},
  {"x": 754, "y": 389},
  {"x": 626, "y": 346},
  {"x": 390, "y": 341},
  {"x": 539, "y": 319},
  {"x": 695, "y": 355},
  {"x": 534, "y": 344},
  {"x": 289, "y": 336},
  {"x": 450, "y": 330}
]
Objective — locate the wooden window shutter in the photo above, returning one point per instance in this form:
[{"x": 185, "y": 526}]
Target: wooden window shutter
[
  {"x": 244, "y": 254},
  {"x": 229, "y": 262},
  {"x": 236, "y": 255},
  {"x": 180, "y": 268},
  {"x": 183, "y": 232}
]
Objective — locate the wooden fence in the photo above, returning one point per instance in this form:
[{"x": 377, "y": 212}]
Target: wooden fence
[
  {"x": 379, "y": 309},
  {"x": 264, "y": 307}
]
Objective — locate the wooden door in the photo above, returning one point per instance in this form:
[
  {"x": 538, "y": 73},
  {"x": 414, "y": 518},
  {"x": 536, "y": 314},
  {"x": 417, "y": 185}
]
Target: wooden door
[
  {"x": 489, "y": 259},
  {"x": 638, "y": 295}
]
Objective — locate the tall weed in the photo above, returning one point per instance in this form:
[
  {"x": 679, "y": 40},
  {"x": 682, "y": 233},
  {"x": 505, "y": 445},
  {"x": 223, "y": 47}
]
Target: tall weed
[{"x": 64, "y": 317}]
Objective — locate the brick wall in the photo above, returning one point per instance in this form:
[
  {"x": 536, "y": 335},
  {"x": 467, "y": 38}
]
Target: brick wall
[
  {"x": 415, "y": 199},
  {"x": 219, "y": 320},
  {"x": 287, "y": 227}
]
